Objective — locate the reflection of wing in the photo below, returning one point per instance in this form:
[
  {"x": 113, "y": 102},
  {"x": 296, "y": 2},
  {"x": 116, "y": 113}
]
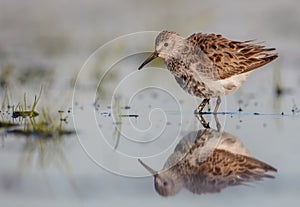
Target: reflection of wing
[
  {"x": 231, "y": 57},
  {"x": 211, "y": 139},
  {"x": 232, "y": 144},
  {"x": 206, "y": 161},
  {"x": 223, "y": 169},
  {"x": 202, "y": 143}
]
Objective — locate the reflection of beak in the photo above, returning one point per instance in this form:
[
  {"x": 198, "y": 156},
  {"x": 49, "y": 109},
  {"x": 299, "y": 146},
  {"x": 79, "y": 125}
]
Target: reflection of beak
[
  {"x": 149, "y": 59},
  {"x": 153, "y": 172}
]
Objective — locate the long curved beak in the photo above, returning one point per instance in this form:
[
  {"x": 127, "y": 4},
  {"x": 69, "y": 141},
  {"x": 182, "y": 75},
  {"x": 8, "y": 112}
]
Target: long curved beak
[
  {"x": 153, "y": 172},
  {"x": 149, "y": 59}
]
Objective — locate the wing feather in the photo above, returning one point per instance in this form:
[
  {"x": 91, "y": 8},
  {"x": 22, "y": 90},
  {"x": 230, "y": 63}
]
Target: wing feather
[{"x": 232, "y": 57}]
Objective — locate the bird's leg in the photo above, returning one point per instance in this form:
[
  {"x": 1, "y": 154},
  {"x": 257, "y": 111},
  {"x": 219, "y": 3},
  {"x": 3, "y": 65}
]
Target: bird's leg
[
  {"x": 202, "y": 121},
  {"x": 217, "y": 104},
  {"x": 217, "y": 122},
  {"x": 201, "y": 106},
  {"x": 208, "y": 106}
]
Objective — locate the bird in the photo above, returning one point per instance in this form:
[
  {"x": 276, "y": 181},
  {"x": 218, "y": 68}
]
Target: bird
[
  {"x": 207, "y": 161},
  {"x": 209, "y": 65}
]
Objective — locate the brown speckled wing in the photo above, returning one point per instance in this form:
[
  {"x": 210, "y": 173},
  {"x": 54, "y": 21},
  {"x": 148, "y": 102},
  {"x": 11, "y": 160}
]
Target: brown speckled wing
[
  {"x": 223, "y": 169},
  {"x": 232, "y": 57}
]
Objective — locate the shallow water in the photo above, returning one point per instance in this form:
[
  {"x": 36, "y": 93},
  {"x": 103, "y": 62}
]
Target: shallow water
[{"x": 121, "y": 114}]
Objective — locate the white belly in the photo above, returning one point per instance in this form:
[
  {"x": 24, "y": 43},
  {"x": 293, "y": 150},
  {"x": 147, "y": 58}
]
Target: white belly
[{"x": 233, "y": 83}]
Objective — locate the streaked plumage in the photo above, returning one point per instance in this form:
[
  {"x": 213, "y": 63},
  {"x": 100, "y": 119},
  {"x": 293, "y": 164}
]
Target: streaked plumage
[
  {"x": 206, "y": 161},
  {"x": 209, "y": 65}
]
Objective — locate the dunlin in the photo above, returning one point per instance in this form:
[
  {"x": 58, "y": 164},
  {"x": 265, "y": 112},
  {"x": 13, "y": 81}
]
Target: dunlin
[
  {"x": 209, "y": 65},
  {"x": 207, "y": 161}
]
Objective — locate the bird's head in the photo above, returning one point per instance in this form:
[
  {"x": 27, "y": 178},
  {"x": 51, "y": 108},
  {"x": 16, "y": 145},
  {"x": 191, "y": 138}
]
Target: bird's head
[
  {"x": 166, "y": 45},
  {"x": 167, "y": 182}
]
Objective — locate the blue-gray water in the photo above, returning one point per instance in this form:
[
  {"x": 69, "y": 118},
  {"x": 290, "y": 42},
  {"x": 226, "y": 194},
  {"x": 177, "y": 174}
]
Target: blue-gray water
[{"x": 57, "y": 37}]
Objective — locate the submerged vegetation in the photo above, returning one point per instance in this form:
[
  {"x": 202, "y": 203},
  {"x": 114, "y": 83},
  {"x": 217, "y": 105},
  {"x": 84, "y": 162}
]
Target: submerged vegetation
[
  {"x": 21, "y": 118},
  {"x": 22, "y": 121},
  {"x": 22, "y": 112},
  {"x": 117, "y": 123}
]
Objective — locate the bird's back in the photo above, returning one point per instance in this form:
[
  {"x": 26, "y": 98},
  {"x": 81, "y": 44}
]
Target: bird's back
[
  {"x": 211, "y": 65},
  {"x": 229, "y": 57}
]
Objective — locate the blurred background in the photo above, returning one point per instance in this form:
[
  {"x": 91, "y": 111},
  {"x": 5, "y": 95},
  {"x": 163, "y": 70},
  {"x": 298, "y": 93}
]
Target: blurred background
[{"x": 47, "y": 42}]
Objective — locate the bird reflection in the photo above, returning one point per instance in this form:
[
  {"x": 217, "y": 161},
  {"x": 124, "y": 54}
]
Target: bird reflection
[{"x": 206, "y": 161}]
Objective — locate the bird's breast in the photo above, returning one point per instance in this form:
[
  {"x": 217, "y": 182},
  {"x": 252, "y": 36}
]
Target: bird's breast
[
  {"x": 192, "y": 86},
  {"x": 191, "y": 80}
]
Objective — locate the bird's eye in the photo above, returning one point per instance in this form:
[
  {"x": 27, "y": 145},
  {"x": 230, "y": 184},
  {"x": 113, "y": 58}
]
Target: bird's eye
[
  {"x": 165, "y": 183},
  {"x": 166, "y": 44}
]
